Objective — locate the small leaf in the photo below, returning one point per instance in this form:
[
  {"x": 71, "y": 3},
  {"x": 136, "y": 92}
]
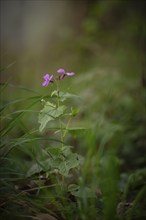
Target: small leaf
[
  {"x": 35, "y": 168},
  {"x": 54, "y": 93},
  {"x": 43, "y": 165},
  {"x": 50, "y": 104},
  {"x": 65, "y": 95},
  {"x": 55, "y": 152},
  {"x": 63, "y": 168},
  {"x": 68, "y": 164},
  {"x": 62, "y": 95},
  {"x": 66, "y": 150},
  {"x": 74, "y": 111},
  {"x": 48, "y": 113},
  {"x": 54, "y": 163},
  {"x": 84, "y": 192}
]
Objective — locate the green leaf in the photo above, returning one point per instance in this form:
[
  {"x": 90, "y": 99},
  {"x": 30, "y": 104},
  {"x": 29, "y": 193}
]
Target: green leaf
[
  {"x": 43, "y": 165},
  {"x": 35, "y": 168},
  {"x": 48, "y": 113},
  {"x": 68, "y": 164},
  {"x": 74, "y": 111},
  {"x": 54, "y": 163},
  {"x": 55, "y": 152},
  {"x": 84, "y": 192},
  {"x": 66, "y": 150},
  {"x": 63, "y": 95},
  {"x": 54, "y": 93}
]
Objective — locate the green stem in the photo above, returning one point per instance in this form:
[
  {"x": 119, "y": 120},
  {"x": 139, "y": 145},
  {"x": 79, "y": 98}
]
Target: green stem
[
  {"x": 60, "y": 122},
  {"x": 61, "y": 129},
  {"x": 64, "y": 134}
]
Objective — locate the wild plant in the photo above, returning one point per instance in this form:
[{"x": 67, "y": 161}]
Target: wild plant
[{"x": 56, "y": 116}]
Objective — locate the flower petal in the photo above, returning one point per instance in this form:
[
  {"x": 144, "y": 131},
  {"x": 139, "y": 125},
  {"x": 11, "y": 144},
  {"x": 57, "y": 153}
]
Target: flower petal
[
  {"x": 70, "y": 74},
  {"x": 62, "y": 71},
  {"x": 50, "y": 78},
  {"x": 45, "y": 83},
  {"x": 46, "y": 76}
]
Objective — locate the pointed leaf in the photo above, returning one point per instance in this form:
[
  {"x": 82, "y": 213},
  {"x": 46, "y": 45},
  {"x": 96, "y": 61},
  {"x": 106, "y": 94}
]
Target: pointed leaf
[
  {"x": 48, "y": 113},
  {"x": 68, "y": 164}
]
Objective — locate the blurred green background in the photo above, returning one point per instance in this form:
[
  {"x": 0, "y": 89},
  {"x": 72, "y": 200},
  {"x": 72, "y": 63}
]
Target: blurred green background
[
  {"x": 42, "y": 36},
  {"x": 103, "y": 42}
]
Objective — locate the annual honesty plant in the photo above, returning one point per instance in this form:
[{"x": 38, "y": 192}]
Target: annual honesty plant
[{"x": 56, "y": 116}]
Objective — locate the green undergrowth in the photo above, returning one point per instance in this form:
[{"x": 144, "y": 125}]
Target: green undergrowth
[{"x": 93, "y": 167}]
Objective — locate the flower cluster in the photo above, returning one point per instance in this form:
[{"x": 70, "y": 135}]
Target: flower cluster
[{"x": 49, "y": 78}]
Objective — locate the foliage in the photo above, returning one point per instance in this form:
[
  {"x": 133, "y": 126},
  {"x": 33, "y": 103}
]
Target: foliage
[{"x": 91, "y": 166}]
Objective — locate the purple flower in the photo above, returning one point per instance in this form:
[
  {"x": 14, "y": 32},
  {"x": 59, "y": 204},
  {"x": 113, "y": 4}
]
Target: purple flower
[
  {"x": 47, "y": 79},
  {"x": 63, "y": 73}
]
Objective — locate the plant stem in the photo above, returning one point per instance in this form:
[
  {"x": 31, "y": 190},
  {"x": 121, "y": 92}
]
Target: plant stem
[
  {"x": 60, "y": 122},
  {"x": 66, "y": 127}
]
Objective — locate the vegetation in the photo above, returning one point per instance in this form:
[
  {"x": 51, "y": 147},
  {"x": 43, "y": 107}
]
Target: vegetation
[{"x": 74, "y": 149}]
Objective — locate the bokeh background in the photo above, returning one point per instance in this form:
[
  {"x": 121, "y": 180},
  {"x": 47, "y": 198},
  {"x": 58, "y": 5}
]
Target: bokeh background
[
  {"x": 103, "y": 42},
  {"x": 41, "y": 36}
]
